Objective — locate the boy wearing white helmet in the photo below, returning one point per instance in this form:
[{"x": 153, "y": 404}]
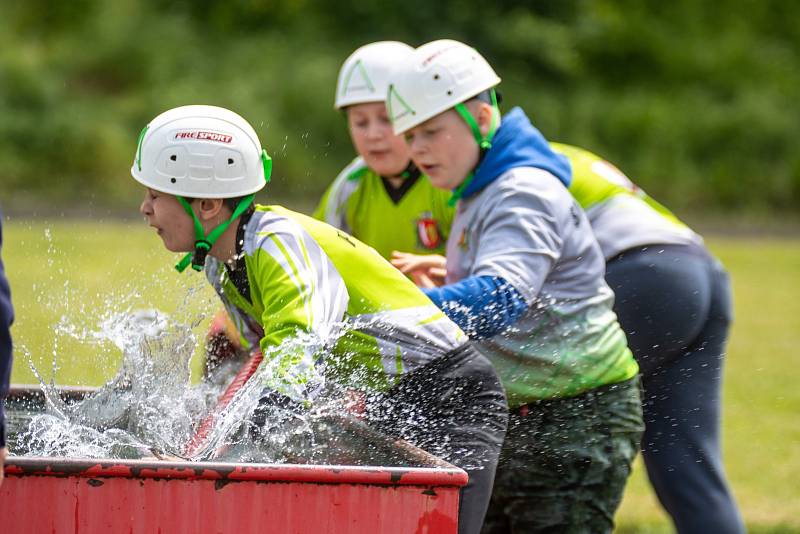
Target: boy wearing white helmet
[
  {"x": 382, "y": 184},
  {"x": 658, "y": 267},
  {"x": 322, "y": 307},
  {"x": 525, "y": 278}
]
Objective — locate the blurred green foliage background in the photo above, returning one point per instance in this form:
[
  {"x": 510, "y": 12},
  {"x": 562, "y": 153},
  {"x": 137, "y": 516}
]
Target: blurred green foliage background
[{"x": 695, "y": 100}]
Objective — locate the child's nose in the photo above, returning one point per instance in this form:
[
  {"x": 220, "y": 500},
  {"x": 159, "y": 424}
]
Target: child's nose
[
  {"x": 145, "y": 208},
  {"x": 375, "y": 131}
]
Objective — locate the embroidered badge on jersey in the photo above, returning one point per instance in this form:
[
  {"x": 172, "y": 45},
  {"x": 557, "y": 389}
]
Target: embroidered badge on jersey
[{"x": 428, "y": 233}]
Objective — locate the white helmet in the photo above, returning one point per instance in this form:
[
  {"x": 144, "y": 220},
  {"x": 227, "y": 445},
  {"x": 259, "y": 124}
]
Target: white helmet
[
  {"x": 363, "y": 76},
  {"x": 436, "y": 77},
  {"x": 201, "y": 152}
]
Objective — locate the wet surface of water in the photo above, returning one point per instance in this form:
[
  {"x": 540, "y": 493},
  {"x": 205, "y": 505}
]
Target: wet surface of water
[{"x": 150, "y": 409}]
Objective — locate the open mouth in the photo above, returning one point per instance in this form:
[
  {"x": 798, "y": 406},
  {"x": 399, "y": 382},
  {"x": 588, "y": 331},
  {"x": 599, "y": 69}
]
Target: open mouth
[{"x": 428, "y": 168}]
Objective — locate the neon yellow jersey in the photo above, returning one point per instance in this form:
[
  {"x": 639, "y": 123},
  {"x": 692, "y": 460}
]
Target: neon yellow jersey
[
  {"x": 622, "y": 215},
  {"x": 323, "y": 304},
  {"x": 358, "y": 203}
]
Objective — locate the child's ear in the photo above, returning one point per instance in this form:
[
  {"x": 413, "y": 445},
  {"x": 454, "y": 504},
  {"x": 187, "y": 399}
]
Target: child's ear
[
  {"x": 485, "y": 117},
  {"x": 210, "y": 207}
]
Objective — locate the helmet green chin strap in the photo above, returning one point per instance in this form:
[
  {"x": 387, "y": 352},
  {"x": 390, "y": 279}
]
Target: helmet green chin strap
[
  {"x": 484, "y": 141},
  {"x": 203, "y": 242}
]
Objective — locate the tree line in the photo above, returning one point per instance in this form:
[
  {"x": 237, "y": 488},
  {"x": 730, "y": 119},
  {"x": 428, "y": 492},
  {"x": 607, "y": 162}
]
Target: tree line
[{"x": 695, "y": 100}]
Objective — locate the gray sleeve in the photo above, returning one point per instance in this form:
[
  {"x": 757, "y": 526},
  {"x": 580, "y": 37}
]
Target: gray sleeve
[{"x": 520, "y": 237}]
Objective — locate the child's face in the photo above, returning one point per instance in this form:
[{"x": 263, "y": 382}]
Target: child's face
[
  {"x": 443, "y": 148},
  {"x": 371, "y": 131},
  {"x": 164, "y": 213}
]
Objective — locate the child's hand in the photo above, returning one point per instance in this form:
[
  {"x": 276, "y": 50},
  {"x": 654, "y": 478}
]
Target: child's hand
[{"x": 426, "y": 270}]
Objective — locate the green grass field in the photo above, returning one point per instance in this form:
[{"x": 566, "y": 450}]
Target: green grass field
[{"x": 67, "y": 276}]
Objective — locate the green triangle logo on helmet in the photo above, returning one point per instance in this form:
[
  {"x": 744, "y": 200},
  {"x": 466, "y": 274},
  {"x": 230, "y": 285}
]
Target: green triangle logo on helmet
[
  {"x": 397, "y": 106},
  {"x": 357, "y": 79},
  {"x": 139, "y": 147}
]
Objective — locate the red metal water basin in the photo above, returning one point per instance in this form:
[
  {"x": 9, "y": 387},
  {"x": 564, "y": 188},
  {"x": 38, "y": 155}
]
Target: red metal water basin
[
  {"x": 88, "y": 496},
  {"x": 46, "y": 495}
]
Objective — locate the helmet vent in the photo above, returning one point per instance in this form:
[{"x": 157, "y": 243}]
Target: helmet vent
[
  {"x": 435, "y": 76},
  {"x": 173, "y": 157},
  {"x": 449, "y": 93},
  {"x": 173, "y": 180},
  {"x": 230, "y": 161}
]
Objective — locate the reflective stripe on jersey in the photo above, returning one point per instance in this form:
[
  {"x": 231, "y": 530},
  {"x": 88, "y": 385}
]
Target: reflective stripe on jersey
[
  {"x": 316, "y": 284},
  {"x": 622, "y": 215},
  {"x": 333, "y": 206}
]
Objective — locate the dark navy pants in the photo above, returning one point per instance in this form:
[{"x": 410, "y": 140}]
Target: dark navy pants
[{"x": 674, "y": 303}]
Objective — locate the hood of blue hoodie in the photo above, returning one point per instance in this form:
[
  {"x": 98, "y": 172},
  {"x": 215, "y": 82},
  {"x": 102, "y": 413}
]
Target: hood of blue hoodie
[{"x": 518, "y": 143}]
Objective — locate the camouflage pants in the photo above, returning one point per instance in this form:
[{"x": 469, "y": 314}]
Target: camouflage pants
[{"x": 565, "y": 463}]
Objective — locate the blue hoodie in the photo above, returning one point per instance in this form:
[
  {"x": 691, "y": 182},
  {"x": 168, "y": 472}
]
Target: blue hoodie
[
  {"x": 486, "y": 305},
  {"x": 517, "y": 143}
]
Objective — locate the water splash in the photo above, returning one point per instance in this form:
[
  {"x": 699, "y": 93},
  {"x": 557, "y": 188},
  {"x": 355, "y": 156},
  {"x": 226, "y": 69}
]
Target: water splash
[
  {"x": 151, "y": 409},
  {"x": 148, "y": 405}
]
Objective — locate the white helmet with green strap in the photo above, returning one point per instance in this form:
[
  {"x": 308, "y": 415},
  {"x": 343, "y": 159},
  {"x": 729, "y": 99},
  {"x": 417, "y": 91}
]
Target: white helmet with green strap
[
  {"x": 202, "y": 152},
  {"x": 363, "y": 77},
  {"x": 439, "y": 76}
]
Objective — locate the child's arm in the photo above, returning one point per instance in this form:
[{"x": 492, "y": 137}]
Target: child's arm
[
  {"x": 481, "y": 305},
  {"x": 304, "y": 300},
  {"x": 516, "y": 240}
]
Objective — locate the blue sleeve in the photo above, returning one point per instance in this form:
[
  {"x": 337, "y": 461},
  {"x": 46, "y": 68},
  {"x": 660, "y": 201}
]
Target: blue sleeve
[
  {"x": 6, "y": 318},
  {"x": 481, "y": 305}
]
